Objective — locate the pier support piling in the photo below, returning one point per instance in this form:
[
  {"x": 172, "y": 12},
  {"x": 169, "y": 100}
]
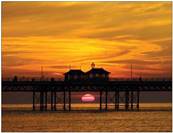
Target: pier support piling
[
  {"x": 131, "y": 100},
  {"x": 33, "y": 100},
  {"x": 44, "y": 103},
  {"x": 41, "y": 100},
  {"x": 100, "y": 100},
  {"x": 55, "y": 100},
  {"x": 116, "y": 100},
  {"x": 127, "y": 100},
  {"x": 137, "y": 104},
  {"x": 45, "y": 100},
  {"x": 69, "y": 98},
  {"x": 51, "y": 100},
  {"x": 106, "y": 99},
  {"x": 64, "y": 100}
]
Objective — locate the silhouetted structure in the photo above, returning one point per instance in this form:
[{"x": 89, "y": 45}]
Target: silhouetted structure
[
  {"x": 97, "y": 74},
  {"x": 89, "y": 81},
  {"x": 15, "y": 79},
  {"x": 74, "y": 75}
]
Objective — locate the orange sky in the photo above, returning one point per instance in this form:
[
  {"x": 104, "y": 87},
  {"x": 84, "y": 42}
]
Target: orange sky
[{"x": 113, "y": 35}]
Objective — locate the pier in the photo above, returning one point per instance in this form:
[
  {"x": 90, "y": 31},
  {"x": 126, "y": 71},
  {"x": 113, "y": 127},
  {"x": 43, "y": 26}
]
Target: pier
[{"x": 131, "y": 90}]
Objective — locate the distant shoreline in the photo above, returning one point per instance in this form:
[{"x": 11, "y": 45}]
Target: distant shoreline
[{"x": 90, "y": 106}]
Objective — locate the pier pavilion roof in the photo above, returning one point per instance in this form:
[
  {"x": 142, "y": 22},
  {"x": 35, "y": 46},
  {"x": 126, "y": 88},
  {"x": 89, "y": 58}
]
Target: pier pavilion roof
[
  {"x": 74, "y": 72},
  {"x": 97, "y": 71}
]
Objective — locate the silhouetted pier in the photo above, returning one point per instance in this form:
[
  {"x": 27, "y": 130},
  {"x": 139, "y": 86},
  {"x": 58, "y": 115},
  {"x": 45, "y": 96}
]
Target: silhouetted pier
[{"x": 130, "y": 88}]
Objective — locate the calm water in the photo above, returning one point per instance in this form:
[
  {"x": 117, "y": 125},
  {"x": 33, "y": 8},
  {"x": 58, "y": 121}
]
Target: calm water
[{"x": 152, "y": 117}]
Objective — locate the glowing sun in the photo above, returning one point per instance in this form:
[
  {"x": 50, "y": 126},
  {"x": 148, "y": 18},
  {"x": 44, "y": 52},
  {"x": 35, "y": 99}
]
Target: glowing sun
[{"x": 88, "y": 98}]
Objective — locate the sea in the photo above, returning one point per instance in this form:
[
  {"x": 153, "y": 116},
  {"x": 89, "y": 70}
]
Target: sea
[{"x": 86, "y": 117}]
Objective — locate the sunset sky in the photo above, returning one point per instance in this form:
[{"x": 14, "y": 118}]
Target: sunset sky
[{"x": 113, "y": 35}]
